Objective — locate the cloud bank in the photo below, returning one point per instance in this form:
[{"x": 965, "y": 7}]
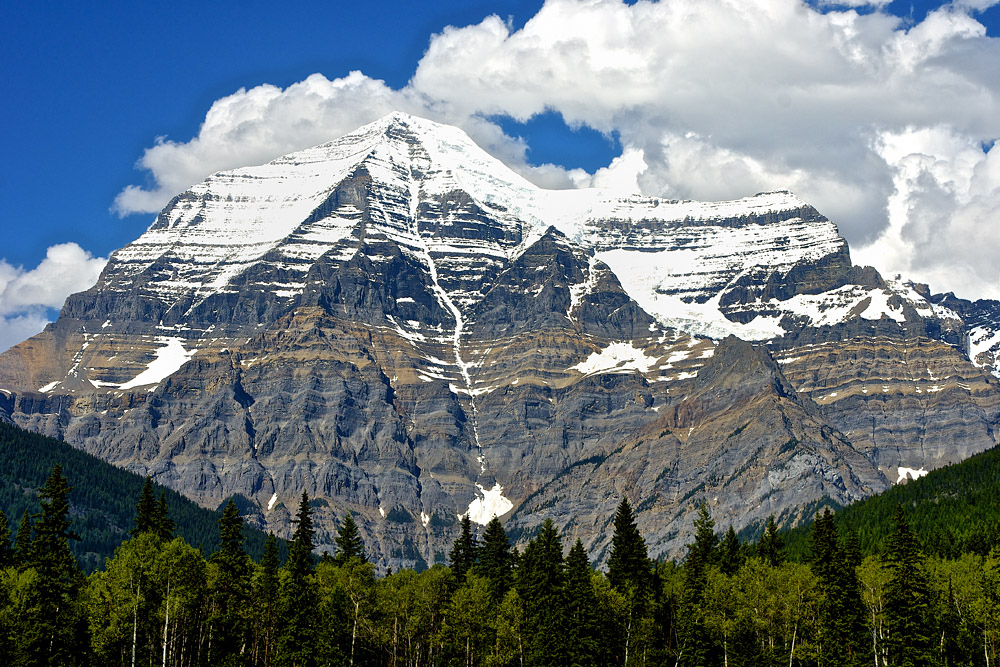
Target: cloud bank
[
  {"x": 885, "y": 126},
  {"x": 26, "y": 296}
]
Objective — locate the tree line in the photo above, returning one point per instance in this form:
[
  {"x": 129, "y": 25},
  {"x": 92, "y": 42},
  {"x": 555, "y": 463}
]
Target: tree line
[{"x": 159, "y": 601}]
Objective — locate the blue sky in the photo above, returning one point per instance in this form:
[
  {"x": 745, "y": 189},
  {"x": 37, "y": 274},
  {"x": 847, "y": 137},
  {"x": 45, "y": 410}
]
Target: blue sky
[{"x": 89, "y": 87}]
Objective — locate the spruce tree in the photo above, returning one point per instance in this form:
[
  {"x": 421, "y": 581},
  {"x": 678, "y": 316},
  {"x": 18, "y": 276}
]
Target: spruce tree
[
  {"x": 465, "y": 551},
  {"x": 842, "y": 636},
  {"x": 771, "y": 546},
  {"x": 230, "y": 591},
  {"x": 349, "y": 542},
  {"x": 6, "y": 548},
  {"x": 145, "y": 510},
  {"x": 296, "y": 643},
  {"x": 628, "y": 564},
  {"x": 702, "y": 555},
  {"x": 911, "y": 633},
  {"x": 57, "y": 635},
  {"x": 164, "y": 525},
  {"x": 266, "y": 600},
  {"x": 496, "y": 562},
  {"x": 22, "y": 542},
  {"x": 581, "y": 609},
  {"x": 730, "y": 555},
  {"x": 540, "y": 584}
]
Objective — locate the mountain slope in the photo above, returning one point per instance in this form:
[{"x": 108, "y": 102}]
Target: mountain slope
[{"x": 103, "y": 499}]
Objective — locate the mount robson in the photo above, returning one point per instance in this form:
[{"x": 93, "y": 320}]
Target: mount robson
[{"x": 399, "y": 325}]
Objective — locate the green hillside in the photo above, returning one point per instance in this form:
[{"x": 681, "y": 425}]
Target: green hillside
[
  {"x": 103, "y": 498},
  {"x": 954, "y": 509}
]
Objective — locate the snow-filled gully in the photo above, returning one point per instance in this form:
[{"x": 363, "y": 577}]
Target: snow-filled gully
[{"x": 493, "y": 502}]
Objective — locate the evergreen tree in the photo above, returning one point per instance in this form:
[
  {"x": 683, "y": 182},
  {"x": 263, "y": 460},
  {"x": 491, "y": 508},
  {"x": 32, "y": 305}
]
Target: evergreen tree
[
  {"x": 22, "y": 542},
  {"x": 702, "y": 555},
  {"x": 771, "y": 546},
  {"x": 496, "y": 562},
  {"x": 730, "y": 553},
  {"x": 265, "y": 597},
  {"x": 164, "y": 525},
  {"x": 57, "y": 633},
  {"x": 581, "y": 608},
  {"x": 842, "y": 636},
  {"x": 6, "y": 548},
  {"x": 540, "y": 585},
  {"x": 297, "y": 634},
  {"x": 465, "y": 551},
  {"x": 145, "y": 510},
  {"x": 908, "y": 600},
  {"x": 349, "y": 542},
  {"x": 628, "y": 564},
  {"x": 230, "y": 591}
]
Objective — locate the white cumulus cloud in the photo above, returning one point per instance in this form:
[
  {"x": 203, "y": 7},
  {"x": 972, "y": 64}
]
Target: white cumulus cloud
[
  {"x": 26, "y": 296},
  {"x": 711, "y": 99}
]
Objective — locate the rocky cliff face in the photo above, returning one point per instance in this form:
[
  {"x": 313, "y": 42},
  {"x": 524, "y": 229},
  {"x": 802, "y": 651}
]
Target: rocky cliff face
[{"x": 400, "y": 326}]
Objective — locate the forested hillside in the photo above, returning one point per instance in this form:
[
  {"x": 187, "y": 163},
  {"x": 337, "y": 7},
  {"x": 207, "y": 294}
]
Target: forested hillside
[
  {"x": 102, "y": 502},
  {"x": 953, "y": 510}
]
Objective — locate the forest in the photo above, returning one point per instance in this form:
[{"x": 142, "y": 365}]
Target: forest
[{"x": 160, "y": 601}]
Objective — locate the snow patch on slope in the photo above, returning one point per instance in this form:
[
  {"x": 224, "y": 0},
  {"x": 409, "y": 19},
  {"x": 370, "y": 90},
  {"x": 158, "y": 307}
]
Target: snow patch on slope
[
  {"x": 168, "y": 361},
  {"x": 909, "y": 473},
  {"x": 493, "y": 503},
  {"x": 616, "y": 358}
]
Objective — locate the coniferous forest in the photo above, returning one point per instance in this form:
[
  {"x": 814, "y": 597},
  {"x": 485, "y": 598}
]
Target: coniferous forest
[{"x": 160, "y": 601}]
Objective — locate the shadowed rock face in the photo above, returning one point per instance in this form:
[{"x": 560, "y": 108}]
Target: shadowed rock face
[{"x": 399, "y": 326}]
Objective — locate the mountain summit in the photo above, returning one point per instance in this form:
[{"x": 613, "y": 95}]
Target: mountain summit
[{"x": 398, "y": 324}]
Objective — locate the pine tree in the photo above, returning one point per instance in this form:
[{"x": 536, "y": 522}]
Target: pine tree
[
  {"x": 145, "y": 510},
  {"x": 702, "y": 554},
  {"x": 230, "y": 591},
  {"x": 57, "y": 635},
  {"x": 349, "y": 542},
  {"x": 540, "y": 585},
  {"x": 6, "y": 548},
  {"x": 164, "y": 525},
  {"x": 628, "y": 564},
  {"x": 730, "y": 554},
  {"x": 842, "y": 636},
  {"x": 465, "y": 551},
  {"x": 771, "y": 546},
  {"x": 265, "y": 596},
  {"x": 299, "y": 607},
  {"x": 908, "y": 599},
  {"x": 22, "y": 542},
  {"x": 496, "y": 562},
  {"x": 581, "y": 609}
]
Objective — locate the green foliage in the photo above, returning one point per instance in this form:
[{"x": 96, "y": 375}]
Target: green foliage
[
  {"x": 909, "y": 619},
  {"x": 349, "y": 542},
  {"x": 464, "y": 553},
  {"x": 952, "y": 510}
]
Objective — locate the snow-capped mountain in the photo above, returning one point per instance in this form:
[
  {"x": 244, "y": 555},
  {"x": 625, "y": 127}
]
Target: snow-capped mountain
[{"x": 400, "y": 325}]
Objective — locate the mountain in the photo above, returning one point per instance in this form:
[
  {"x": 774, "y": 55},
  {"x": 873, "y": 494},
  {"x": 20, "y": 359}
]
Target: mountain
[{"x": 404, "y": 328}]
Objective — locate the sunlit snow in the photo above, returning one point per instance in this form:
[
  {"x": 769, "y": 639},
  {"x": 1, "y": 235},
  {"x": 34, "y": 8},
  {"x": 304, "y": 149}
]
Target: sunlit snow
[
  {"x": 169, "y": 359},
  {"x": 911, "y": 473},
  {"x": 493, "y": 503},
  {"x": 616, "y": 358}
]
